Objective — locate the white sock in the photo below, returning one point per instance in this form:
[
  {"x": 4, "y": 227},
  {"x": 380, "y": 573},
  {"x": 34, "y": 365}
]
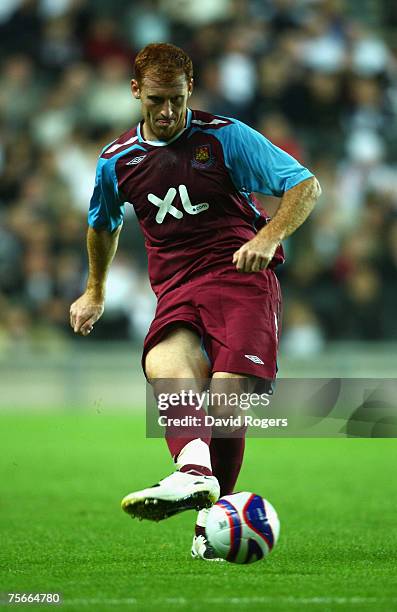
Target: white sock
[
  {"x": 202, "y": 516},
  {"x": 196, "y": 452}
]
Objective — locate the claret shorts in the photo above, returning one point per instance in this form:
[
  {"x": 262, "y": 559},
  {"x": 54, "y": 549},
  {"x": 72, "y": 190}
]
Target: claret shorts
[{"x": 237, "y": 316}]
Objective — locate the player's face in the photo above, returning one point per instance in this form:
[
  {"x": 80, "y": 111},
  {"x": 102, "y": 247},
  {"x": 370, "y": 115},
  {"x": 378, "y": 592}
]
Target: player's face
[{"x": 163, "y": 106}]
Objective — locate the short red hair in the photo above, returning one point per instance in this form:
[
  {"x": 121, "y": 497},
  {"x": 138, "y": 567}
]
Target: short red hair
[{"x": 163, "y": 62}]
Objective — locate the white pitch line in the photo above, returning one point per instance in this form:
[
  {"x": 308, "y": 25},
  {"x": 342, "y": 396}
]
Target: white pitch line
[{"x": 232, "y": 601}]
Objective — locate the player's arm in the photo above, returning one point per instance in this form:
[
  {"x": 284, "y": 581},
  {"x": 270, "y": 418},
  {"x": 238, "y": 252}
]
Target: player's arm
[
  {"x": 101, "y": 247},
  {"x": 256, "y": 164},
  {"x": 295, "y": 206},
  {"x": 105, "y": 219}
]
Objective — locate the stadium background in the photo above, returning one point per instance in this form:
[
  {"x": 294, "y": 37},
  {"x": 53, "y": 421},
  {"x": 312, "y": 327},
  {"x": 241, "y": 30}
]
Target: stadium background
[{"x": 318, "y": 77}]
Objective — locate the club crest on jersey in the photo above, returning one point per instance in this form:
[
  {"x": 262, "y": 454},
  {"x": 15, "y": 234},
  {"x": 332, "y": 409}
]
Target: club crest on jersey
[{"x": 202, "y": 156}]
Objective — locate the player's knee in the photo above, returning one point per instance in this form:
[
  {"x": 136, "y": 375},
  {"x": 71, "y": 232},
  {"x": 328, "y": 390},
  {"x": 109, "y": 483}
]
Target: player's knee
[
  {"x": 221, "y": 409},
  {"x": 229, "y": 396},
  {"x": 233, "y": 382},
  {"x": 224, "y": 414},
  {"x": 167, "y": 369},
  {"x": 171, "y": 366}
]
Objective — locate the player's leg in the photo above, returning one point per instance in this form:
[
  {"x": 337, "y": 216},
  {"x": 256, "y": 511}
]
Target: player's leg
[
  {"x": 177, "y": 355},
  {"x": 177, "y": 364},
  {"x": 227, "y": 444},
  {"x": 171, "y": 365},
  {"x": 240, "y": 315},
  {"x": 227, "y": 447}
]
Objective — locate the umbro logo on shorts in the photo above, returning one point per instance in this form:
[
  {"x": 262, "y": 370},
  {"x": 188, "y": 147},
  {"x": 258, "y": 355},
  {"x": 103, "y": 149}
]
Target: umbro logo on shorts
[
  {"x": 255, "y": 359},
  {"x": 135, "y": 160}
]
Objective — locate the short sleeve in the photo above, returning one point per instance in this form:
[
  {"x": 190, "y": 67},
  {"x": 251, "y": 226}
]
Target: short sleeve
[
  {"x": 106, "y": 210},
  {"x": 256, "y": 164}
]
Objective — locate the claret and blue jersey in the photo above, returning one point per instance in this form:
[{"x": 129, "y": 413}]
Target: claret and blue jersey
[{"x": 192, "y": 195}]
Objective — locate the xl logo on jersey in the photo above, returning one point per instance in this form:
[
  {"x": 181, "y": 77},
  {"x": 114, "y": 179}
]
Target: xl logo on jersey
[{"x": 166, "y": 205}]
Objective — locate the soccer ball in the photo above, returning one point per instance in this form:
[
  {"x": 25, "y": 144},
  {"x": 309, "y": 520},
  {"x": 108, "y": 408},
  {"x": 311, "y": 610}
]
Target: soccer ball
[{"x": 242, "y": 528}]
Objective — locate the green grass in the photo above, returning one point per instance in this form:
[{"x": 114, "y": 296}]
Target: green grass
[{"x": 61, "y": 528}]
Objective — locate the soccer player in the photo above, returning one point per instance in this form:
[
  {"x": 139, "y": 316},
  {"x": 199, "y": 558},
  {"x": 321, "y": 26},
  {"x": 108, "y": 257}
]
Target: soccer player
[{"x": 211, "y": 252}]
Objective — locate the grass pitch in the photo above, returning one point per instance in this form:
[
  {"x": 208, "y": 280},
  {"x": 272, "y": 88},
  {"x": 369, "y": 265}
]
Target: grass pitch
[{"x": 61, "y": 528}]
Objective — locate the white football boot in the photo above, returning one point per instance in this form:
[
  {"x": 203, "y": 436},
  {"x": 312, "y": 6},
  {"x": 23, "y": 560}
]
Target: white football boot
[
  {"x": 201, "y": 548},
  {"x": 179, "y": 492}
]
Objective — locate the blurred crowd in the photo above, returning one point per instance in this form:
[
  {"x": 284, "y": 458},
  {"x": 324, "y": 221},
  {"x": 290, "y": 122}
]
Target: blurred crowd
[{"x": 317, "y": 77}]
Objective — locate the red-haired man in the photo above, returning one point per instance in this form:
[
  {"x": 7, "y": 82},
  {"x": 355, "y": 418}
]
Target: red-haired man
[{"x": 190, "y": 176}]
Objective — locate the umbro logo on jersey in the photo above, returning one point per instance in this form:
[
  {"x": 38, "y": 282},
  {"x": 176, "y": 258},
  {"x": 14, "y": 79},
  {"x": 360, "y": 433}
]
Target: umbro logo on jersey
[
  {"x": 166, "y": 205},
  {"x": 255, "y": 359},
  {"x": 135, "y": 160}
]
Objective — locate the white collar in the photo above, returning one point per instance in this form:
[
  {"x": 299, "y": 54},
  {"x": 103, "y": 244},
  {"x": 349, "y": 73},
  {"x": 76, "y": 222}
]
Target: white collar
[{"x": 164, "y": 143}]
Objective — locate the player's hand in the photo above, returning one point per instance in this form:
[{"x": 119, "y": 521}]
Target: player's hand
[
  {"x": 255, "y": 255},
  {"x": 85, "y": 312}
]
